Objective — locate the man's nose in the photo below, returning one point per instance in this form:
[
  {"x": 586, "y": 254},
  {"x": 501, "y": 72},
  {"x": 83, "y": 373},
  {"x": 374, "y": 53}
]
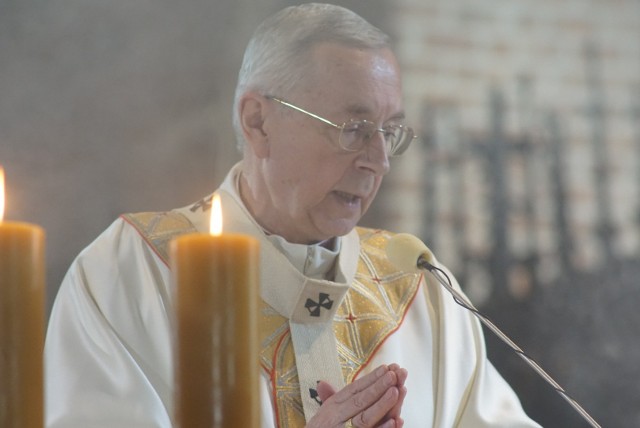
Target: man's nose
[{"x": 374, "y": 155}]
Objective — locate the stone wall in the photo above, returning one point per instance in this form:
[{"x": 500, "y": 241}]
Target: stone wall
[{"x": 526, "y": 183}]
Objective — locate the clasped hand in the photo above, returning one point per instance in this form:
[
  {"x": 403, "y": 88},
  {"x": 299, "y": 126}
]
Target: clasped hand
[{"x": 375, "y": 400}]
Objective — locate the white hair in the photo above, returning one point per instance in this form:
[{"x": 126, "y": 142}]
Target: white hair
[{"x": 276, "y": 58}]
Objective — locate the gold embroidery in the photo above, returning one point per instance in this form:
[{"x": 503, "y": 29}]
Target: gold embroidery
[
  {"x": 278, "y": 360},
  {"x": 159, "y": 228},
  {"x": 372, "y": 309}
]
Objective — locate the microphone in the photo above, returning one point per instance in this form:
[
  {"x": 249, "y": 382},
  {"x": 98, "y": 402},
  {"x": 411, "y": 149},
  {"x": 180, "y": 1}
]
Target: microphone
[{"x": 410, "y": 254}]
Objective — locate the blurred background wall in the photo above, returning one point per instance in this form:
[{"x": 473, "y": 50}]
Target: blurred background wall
[{"x": 525, "y": 181}]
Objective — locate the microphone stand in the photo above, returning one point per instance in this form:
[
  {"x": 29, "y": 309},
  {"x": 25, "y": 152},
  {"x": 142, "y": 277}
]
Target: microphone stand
[{"x": 460, "y": 299}]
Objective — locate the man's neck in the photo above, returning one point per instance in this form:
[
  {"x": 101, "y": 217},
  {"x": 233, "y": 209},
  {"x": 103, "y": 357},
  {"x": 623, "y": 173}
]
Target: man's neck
[{"x": 246, "y": 195}]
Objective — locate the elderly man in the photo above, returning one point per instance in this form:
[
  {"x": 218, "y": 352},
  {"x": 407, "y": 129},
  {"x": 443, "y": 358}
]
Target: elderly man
[{"x": 318, "y": 112}]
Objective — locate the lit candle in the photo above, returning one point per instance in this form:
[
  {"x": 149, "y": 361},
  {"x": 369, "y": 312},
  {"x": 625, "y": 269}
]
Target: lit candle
[
  {"x": 21, "y": 321},
  {"x": 216, "y": 342}
]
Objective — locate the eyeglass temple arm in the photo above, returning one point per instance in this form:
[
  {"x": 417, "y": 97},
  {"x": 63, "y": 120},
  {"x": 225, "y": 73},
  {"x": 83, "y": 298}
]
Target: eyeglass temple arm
[{"x": 315, "y": 116}]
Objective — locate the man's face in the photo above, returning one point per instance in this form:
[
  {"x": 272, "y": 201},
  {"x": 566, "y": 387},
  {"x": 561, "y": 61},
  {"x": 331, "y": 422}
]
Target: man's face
[{"x": 313, "y": 189}]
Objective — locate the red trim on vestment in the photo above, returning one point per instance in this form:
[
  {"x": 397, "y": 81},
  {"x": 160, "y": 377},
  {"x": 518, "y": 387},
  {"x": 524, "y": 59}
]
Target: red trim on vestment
[
  {"x": 391, "y": 332},
  {"x": 273, "y": 377},
  {"x": 144, "y": 238}
]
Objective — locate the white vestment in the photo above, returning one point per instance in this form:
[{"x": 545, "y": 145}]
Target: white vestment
[{"x": 108, "y": 352}]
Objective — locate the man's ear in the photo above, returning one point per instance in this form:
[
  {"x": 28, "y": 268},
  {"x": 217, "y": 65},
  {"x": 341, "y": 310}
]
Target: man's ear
[{"x": 252, "y": 111}]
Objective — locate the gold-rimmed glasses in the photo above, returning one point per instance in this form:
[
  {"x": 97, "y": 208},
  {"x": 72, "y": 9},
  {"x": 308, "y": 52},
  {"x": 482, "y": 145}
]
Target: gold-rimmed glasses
[{"x": 356, "y": 133}]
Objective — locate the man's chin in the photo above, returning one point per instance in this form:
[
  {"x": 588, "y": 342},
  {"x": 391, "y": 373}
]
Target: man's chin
[{"x": 339, "y": 228}]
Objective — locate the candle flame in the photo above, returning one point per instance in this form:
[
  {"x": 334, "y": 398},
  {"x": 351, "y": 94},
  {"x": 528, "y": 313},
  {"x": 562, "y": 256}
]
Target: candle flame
[
  {"x": 215, "y": 224},
  {"x": 1, "y": 194}
]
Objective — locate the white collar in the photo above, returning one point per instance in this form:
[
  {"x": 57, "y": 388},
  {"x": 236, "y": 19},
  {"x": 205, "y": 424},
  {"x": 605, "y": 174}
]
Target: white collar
[{"x": 284, "y": 285}]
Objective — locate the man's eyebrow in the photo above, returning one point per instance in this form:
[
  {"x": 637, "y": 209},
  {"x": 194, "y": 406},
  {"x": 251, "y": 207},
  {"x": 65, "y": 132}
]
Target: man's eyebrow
[
  {"x": 360, "y": 110},
  {"x": 398, "y": 116}
]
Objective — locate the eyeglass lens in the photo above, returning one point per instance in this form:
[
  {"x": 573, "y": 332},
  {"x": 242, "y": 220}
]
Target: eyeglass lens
[{"x": 355, "y": 135}]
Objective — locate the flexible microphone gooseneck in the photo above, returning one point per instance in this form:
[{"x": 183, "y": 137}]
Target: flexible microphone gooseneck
[{"x": 410, "y": 254}]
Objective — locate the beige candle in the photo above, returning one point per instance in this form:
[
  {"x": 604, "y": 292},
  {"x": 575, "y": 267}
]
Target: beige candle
[
  {"x": 21, "y": 322},
  {"x": 216, "y": 342}
]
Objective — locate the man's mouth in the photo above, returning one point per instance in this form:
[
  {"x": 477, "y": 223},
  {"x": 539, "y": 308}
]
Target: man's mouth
[{"x": 347, "y": 197}]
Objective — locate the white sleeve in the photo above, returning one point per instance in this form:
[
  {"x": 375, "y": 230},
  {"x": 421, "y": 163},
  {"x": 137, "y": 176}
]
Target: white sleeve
[
  {"x": 108, "y": 347},
  {"x": 474, "y": 394},
  {"x": 492, "y": 403}
]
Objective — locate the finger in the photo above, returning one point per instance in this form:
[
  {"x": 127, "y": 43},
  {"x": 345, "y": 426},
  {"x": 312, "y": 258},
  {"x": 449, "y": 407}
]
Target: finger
[
  {"x": 371, "y": 404},
  {"x": 402, "y": 376},
  {"x": 375, "y": 414},
  {"x": 369, "y": 398},
  {"x": 358, "y": 400},
  {"x": 325, "y": 390},
  {"x": 361, "y": 384},
  {"x": 394, "y": 413},
  {"x": 400, "y": 372},
  {"x": 389, "y": 424}
]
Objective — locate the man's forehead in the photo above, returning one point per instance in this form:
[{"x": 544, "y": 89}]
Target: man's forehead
[
  {"x": 382, "y": 59},
  {"x": 355, "y": 81}
]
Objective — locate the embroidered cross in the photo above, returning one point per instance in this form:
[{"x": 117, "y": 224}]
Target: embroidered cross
[
  {"x": 204, "y": 204},
  {"x": 314, "y": 307},
  {"x": 313, "y": 393}
]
